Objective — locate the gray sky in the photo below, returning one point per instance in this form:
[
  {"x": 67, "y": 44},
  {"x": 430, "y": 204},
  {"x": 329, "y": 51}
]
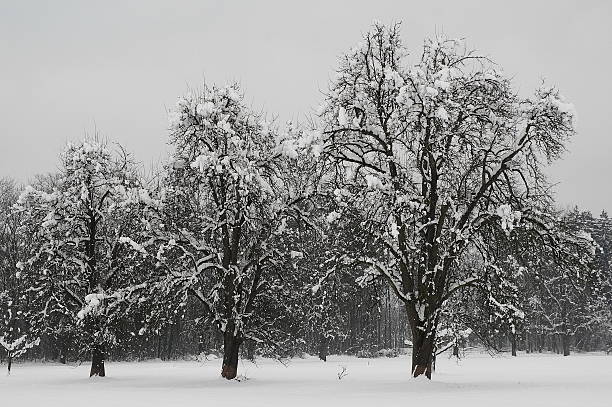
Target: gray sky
[{"x": 70, "y": 67}]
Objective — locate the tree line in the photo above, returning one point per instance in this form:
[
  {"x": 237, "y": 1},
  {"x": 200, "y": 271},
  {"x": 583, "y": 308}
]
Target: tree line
[{"x": 411, "y": 211}]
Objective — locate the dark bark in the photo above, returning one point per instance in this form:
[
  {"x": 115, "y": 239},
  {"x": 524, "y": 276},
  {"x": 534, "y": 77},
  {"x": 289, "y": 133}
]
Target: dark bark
[
  {"x": 231, "y": 349},
  {"x": 170, "y": 336},
  {"x": 422, "y": 351},
  {"x": 513, "y": 343},
  {"x": 566, "y": 344},
  {"x": 10, "y": 363},
  {"x": 250, "y": 350},
  {"x": 540, "y": 343},
  {"x": 323, "y": 348},
  {"x": 98, "y": 354}
]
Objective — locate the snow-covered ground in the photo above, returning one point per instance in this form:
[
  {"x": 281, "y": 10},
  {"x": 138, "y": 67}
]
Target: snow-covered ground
[{"x": 477, "y": 380}]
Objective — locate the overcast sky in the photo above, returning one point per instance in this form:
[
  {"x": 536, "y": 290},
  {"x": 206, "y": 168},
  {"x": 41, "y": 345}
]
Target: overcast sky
[{"x": 68, "y": 68}]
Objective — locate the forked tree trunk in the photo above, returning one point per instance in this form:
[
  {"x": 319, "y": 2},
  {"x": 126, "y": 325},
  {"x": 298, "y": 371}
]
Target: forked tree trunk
[
  {"x": 98, "y": 354},
  {"x": 231, "y": 348},
  {"x": 422, "y": 351}
]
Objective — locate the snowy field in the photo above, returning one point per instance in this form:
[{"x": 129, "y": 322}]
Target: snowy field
[{"x": 477, "y": 380}]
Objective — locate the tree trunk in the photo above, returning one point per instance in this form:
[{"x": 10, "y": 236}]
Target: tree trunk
[
  {"x": 422, "y": 351},
  {"x": 250, "y": 350},
  {"x": 158, "y": 350},
  {"x": 98, "y": 354},
  {"x": 10, "y": 363},
  {"x": 513, "y": 343},
  {"x": 540, "y": 342},
  {"x": 231, "y": 347},
  {"x": 323, "y": 348},
  {"x": 566, "y": 344}
]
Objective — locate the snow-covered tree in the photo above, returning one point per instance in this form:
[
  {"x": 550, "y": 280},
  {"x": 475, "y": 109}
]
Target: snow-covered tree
[
  {"x": 567, "y": 288},
  {"x": 434, "y": 154},
  {"x": 328, "y": 289},
  {"x": 15, "y": 341},
  {"x": 79, "y": 265},
  {"x": 225, "y": 200},
  {"x": 15, "y": 335},
  {"x": 11, "y": 242}
]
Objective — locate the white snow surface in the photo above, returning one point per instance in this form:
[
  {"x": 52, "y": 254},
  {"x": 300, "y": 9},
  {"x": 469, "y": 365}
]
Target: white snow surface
[{"x": 476, "y": 380}]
